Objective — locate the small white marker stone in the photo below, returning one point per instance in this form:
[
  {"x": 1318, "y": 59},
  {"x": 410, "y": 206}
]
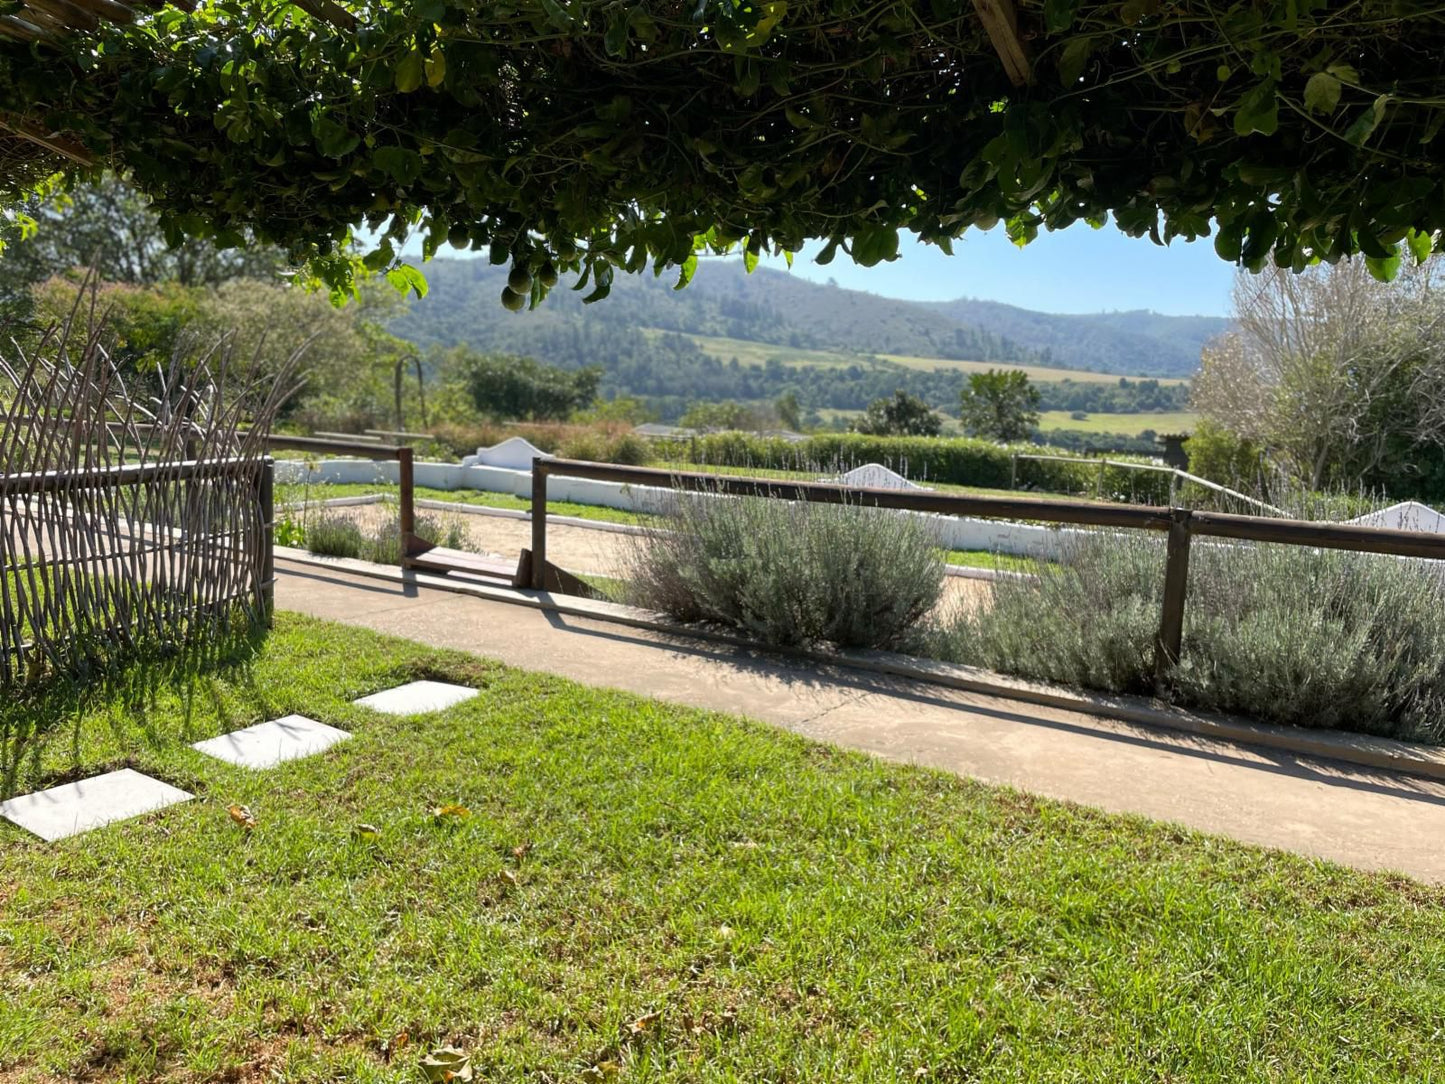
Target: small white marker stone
[
  {"x": 78, "y": 807},
  {"x": 417, "y": 697},
  {"x": 267, "y": 744}
]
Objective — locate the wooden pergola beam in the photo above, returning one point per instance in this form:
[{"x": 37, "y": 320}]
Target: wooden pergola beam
[
  {"x": 53, "y": 142},
  {"x": 1001, "y": 21}
]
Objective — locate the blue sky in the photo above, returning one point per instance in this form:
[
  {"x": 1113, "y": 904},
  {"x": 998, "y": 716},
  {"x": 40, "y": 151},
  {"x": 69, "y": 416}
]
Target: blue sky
[{"x": 1075, "y": 270}]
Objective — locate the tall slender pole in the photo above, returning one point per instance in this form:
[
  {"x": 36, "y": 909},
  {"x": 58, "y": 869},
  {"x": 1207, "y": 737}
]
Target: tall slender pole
[
  {"x": 407, "y": 500},
  {"x": 266, "y": 565},
  {"x": 539, "y": 524}
]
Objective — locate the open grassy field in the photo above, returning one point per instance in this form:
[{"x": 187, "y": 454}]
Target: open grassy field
[
  {"x": 1129, "y": 424},
  {"x": 1036, "y": 373},
  {"x": 577, "y": 885},
  {"x": 755, "y": 353}
]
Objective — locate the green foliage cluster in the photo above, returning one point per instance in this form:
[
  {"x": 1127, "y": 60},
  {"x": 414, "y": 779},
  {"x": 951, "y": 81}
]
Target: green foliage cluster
[
  {"x": 789, "y": 573},
  {"x": 950, "y": 461},
  {"x": 602, "y": 136},
  {"x": 903, "y": 415},
  {"x": 1287, "y": 635},
  {"x": 1125, "y": 397},
  {"x": 514, "y": 388},
  {"x": 1224, "y": 457},
  {"x": 999, "y": 405}
]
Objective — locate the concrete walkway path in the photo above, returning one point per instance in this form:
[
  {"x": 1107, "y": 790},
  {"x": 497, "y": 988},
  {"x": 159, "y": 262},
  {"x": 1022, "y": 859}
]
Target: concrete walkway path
[{"x": 1358, "y": 816}]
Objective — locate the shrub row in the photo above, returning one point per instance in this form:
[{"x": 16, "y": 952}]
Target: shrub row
[
  {"x": 1287, "y": 635},
  {"x": 949, "y": 461}
]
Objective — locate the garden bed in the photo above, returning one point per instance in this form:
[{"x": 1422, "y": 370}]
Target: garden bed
[{"x": 644, "y": 891}]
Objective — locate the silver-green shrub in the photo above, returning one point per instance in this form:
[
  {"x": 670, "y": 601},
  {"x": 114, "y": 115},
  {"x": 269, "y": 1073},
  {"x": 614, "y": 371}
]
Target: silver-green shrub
[
  {"x": 334, "y": 534},
  {"x": 1312, "y": 638},
  {"x": 789, "y": 573}
]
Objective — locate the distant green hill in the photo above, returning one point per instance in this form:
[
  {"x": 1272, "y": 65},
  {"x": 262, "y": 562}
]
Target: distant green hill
[
  {"x": 1137, "y": 342},
  {"x": 731, "y": 335},
  {"x": 722, "y": 301}
]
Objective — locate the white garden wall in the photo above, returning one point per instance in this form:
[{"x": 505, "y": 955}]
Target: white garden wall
[{"x": 994, "y": 536}]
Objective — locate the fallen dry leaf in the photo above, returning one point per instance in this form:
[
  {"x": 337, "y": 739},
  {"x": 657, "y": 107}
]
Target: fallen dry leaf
[
  {"x": 643, "y": 1024},
  {"x": 367, "y": 832},
  {"x": 242, "y": 815},
  {"x": 602, "y": 1071},
  {"x": 507, "y": 877},
  {"x": 519, "y": 852},
  {"x": 445, "y": 1064},
  {"x": 451, "y": 812}
]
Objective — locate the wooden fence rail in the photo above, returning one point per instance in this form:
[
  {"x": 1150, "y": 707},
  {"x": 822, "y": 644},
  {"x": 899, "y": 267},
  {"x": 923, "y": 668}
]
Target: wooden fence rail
[
  {"x": 1180, "y": 525},
  {"x": 364, "y": 449}
]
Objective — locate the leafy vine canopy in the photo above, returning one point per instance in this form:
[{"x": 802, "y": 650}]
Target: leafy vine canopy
[{"x": 607, "y": 135}]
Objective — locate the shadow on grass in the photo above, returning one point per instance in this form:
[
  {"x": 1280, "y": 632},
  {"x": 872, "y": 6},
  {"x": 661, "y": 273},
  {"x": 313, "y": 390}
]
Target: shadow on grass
[{"x": 54, "y": 701}]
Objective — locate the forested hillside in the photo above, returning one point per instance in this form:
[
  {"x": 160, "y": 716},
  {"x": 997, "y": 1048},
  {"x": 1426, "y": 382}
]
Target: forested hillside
[
  {"x": 1108, "y": 342},
  {"x": 778, "y": 308},
  {"x": 722, "y": 301},
  {"x": 731, "y": 335}
]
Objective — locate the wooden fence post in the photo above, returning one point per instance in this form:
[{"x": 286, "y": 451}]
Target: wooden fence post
[
  {"x": 1170, "y": 640},
  {"x": 404, "y": 478},
  {"x": 1013, "y": 471},
  {"x": 266, "y": 563},
  {"x": 1099, "y": 485},
  {"x": 539, "y": 524}
]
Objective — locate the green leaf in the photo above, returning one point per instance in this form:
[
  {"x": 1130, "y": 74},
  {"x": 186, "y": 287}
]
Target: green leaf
[
  {"x": 602, "y": 284},
  {"x": 1073, "y": 60},
  {"x": 874, "y": 245},
  {"x": 409, "y": 72},
  {"x": 334, "y": 140},
  {"x": 436, "y": 68},
  {"x": 615, "y": 40},
  {"x": 1345, "y": 73},
  {"x": 1421, "y": 244},
  {"x": 402, "y": 163},
  {"x": 407, "y": 279},
  {"x": 1384, "y": 270},
  {"x": 1258, "y": 111},
  {"x": 829, "y": 251},
  {"x": 688, "y": 269},
  {"x": 773, "y": 13},
  {"x": 1322, "y": 93},
  {"x": 379, "y": 257},
  {"x": 1365, "y": 124},
  {"x": 1058, "y": 15},
  {"x": 750, "y": 259},
  {"x": 1229, "y": 241}
]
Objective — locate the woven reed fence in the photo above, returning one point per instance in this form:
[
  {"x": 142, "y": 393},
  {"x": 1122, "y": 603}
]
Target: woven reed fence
[{"x": 135, "y": 509}]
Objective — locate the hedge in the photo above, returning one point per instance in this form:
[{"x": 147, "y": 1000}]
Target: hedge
[{"x": 949, "y": 461}]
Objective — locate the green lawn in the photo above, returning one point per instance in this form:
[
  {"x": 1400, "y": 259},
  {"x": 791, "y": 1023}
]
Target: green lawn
[
  {"x": 1179, "y": 421},
  {"x": 697, "y": 898}
]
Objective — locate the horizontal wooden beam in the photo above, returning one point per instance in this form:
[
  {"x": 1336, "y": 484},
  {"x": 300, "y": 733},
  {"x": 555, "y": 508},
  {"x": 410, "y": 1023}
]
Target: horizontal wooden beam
[
  {"x": 1001, "y": 21},
  {"x": 54, "y": 142},
  {"x": 328, "y": 11}
]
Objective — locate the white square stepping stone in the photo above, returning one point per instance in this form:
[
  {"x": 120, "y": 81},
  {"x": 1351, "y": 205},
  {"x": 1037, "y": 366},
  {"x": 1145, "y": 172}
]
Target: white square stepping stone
[
  {"x": 417, "y": 697},
  {"x": 78, "y": 807},
  {"x": 267, "y": 744}
]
